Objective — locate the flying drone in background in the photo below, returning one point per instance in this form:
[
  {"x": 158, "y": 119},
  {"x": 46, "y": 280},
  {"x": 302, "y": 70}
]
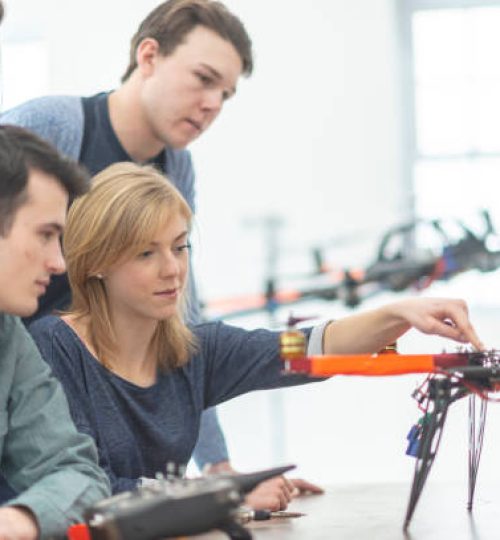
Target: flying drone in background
[{"x": 412, "y": 255}]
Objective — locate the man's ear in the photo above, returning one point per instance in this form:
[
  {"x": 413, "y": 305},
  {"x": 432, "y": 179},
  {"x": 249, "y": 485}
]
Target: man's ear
[{"x": 147, "y": 52}]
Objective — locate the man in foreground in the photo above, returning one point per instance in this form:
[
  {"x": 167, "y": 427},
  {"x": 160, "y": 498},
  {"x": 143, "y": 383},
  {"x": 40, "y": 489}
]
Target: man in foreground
[{"x": 52, "y": 467}]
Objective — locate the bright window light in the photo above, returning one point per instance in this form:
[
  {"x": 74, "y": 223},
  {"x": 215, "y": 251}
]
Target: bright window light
[{"x": 457, "y": 111}]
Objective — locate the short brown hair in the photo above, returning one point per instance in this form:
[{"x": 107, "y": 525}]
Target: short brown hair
[{"x": 169, "y": 23}]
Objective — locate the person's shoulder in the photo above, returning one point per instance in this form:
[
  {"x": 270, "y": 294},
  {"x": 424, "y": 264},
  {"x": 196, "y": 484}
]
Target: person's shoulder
[
  {"x": 55, "y": 108},
  {"x": 15, "y": 342},
  {"x": 10, "y": 325},
  {"x": 11, "y": 329},
  {"x": 178, "y": 160},
  {"x": 47, "y": 323},
  {"x": 6, "y": 320},
  {"x": 179, "y": 155},
  {"x": 59, "y": 345},
  {"x": 205, "y": 329},
  {"x": 46, "y": 328},
  {"x": 57, "y": 119}
]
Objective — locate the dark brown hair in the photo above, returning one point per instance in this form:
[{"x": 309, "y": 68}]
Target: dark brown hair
[
  {"x": 20, "y": 151},
  {"x": 171, "y": 21}
]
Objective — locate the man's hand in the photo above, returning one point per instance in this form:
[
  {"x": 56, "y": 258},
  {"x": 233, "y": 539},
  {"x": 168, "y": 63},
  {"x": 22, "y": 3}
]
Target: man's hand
[{"x": 17, "y": 523}]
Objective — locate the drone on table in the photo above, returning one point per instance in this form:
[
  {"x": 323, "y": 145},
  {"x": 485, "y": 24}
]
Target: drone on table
[{"x": 451, "y": 376}]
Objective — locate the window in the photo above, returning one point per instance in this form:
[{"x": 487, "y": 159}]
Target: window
[{"x": 456, "y": 91}]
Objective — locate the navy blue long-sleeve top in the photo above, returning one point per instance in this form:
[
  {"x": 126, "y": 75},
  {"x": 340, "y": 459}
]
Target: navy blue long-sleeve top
[{"x": 138, "y": 430}]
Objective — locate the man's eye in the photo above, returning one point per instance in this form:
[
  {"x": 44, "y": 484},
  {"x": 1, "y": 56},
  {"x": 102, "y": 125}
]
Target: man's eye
[
  {"x": 205, "y": 79},
  {"x": 47, "y": 235}
]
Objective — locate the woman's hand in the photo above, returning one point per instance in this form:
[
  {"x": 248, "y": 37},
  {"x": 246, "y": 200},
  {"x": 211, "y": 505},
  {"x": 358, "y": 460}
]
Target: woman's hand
[
  {"x": 273, "y": 494},
  {"x": 440, "y": 316},
  {"x": 303, "y": 487},
  {"x": 370, "y": 331}
]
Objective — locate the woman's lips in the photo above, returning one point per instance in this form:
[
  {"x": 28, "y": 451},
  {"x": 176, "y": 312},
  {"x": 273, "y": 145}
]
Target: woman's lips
[{"x": 167, "y": 293}]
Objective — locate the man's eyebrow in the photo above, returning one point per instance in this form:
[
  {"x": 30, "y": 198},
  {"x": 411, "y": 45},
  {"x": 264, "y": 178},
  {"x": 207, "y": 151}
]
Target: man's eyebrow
[
  {"x": 54, "y": 225},
  {"x": 218, "y": 76}
]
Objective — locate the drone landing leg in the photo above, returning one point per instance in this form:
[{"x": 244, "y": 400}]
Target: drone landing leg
[
  {"x": 476, "y": 436},
  {"x": 440, "y": 396}
]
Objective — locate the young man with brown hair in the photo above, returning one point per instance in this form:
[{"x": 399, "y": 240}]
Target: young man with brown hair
[{"x": 51, "y": 466}]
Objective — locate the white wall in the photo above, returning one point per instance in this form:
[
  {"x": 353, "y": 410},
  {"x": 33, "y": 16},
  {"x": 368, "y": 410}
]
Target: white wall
[
  {"x": 87, "y": 40},
  {"x": 314, "y": 136}
]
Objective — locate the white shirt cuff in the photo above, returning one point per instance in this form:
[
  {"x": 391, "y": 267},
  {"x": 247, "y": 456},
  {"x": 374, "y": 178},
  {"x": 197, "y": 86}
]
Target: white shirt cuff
[{"x": 315, "y": 345}]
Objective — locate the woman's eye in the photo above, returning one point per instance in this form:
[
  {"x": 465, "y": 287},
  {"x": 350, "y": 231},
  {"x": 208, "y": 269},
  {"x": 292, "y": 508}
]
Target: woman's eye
[
  {"x": 183, "y": 248},
  {"x": 145, "y": 254}
]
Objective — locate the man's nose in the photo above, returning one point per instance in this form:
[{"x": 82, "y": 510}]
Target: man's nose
[
  {"x": 213, "y": 99},
  {"x": 56, "y": 263}
]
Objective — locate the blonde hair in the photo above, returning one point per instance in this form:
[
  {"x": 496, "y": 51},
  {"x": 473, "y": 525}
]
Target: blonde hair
[{"x": 125, "y": 207}]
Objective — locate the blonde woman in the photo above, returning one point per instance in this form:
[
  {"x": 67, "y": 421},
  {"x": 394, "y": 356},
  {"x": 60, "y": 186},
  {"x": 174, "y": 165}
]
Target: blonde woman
[{"x": 137, "y": 378}]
